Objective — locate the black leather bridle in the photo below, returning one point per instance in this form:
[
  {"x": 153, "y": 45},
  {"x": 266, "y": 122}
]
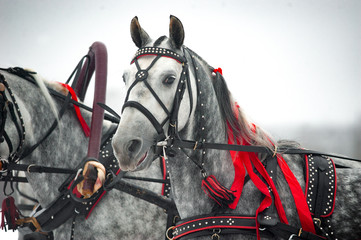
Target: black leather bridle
[
  {"x": 142, "y": 76},
  {"x": 10, "y": 106}
]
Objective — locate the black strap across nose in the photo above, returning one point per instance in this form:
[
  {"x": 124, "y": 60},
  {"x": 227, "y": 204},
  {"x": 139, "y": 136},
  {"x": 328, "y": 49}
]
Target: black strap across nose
[{"x": 142, "y": 76}]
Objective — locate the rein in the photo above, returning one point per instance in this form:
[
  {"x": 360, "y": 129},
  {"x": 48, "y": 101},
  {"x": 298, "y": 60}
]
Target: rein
[{"x": 195, "y": 145}]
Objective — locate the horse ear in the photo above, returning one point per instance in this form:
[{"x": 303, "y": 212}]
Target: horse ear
[
  {"x": 176, "y": 31},
  {"x": 139, "y": 36}
]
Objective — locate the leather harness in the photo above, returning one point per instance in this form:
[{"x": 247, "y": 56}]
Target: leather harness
[
  {"x": 68, "y": 204},
  {"x": 215, "y": 225},
  {"x": 320, "y": 178},
  {"x": 209, "y": 224}
]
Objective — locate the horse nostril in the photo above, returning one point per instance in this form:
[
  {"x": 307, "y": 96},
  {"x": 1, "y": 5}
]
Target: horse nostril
[{"x": 133, "y": 145}]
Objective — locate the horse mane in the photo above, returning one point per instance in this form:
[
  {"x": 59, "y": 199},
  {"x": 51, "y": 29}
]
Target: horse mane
[
  {"x": 238, "y": 123},
  {"x": 43, "y": 84}
]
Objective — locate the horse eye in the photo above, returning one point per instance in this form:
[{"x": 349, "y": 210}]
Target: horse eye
[{"x": 169, "y": 80}]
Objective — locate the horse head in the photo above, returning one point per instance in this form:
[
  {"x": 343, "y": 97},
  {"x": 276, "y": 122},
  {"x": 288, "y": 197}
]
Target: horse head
[{"x": 158, "y": 87}]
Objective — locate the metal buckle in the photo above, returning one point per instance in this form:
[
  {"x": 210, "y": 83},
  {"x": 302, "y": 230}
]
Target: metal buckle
[
  {"x": 108, "y": 183},
  {"x": 31, "y": 220},
  {"x": 317, "y": 221},
  {"x": 291, "y": 237},
  {"x": 28, "y": 168},
  {"x": 295, "y": 235}
]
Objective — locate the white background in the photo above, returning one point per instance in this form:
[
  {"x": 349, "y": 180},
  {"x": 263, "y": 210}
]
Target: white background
[{"x": 287, "y": 62}]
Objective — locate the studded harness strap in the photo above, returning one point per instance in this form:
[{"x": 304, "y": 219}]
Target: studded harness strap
[
  {"x": 320, "y": 191},
  {"x": 216, "y": 224}
]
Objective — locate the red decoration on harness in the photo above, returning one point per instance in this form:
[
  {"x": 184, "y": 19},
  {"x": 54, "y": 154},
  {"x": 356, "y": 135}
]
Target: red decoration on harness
[
  {"x": 218, "y": 70},
  {"x": 10, "y": 213},
  {"x": 221, "y": 195},
  {"x": 246, "y": 160},
  {"x": 297, "y": 193},
  {"x": 242, "y": 160},
  {"x": 77, "y": 110}
]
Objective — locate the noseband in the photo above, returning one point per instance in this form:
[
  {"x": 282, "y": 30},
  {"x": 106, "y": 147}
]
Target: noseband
[{"x": 142, "y": 76}]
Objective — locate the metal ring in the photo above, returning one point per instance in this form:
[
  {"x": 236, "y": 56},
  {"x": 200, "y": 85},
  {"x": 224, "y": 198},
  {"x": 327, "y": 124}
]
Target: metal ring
[
  {"x": 291, "y": 237},
  {"x": 219, "y": 230},
  {"x": 28, "y": 168},
  {"x": 215, "y": 236},
  {"x": 77, "y": 174},
  {"x": 166, "y": 233}
]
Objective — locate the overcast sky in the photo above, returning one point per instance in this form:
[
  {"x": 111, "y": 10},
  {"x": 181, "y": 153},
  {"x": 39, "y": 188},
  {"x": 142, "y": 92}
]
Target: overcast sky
[{"x": 285, "y": 61}]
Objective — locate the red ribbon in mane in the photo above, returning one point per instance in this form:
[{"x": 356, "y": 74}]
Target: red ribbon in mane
[
  {"x": 218, "y": 70},
  {"x": 83, "y": 124}
]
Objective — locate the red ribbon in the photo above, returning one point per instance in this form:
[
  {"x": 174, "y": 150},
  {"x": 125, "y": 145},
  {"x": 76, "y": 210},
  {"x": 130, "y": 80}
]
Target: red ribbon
[
  {"x": 244, "y": 160},
  {"x": 218, "y": 70},
  {"x": 83, "y": 124},
  {"x": 297, "y": 193}
]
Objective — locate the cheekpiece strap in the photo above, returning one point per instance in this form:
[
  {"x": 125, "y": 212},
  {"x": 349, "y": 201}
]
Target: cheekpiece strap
[{"x": 158, "y": 51}]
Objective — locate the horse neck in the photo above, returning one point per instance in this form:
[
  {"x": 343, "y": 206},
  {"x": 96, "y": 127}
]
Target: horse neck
[
  {"x": 38, "y": 118},
  {"x": 206, "y": 124}
]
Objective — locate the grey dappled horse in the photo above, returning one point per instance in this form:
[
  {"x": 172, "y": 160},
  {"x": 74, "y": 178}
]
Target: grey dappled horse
[
  {"x": 118, "y": 215},
  {"x": 133, "y": 141}
]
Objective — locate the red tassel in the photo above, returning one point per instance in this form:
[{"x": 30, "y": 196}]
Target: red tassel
[
  {"x": 10, "y": 213},
  {"x": 221, "y": 195}
]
